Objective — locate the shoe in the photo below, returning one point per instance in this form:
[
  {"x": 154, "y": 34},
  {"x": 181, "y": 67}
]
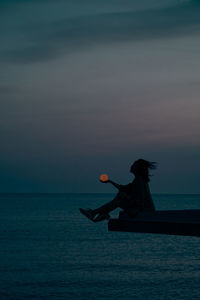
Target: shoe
[
  {"x": 88, "y": 213},
  {"x": 102, "y": 217}
]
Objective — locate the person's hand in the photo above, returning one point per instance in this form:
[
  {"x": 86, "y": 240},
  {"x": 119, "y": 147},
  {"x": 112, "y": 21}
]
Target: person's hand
[{"x": 104, "y": 181}]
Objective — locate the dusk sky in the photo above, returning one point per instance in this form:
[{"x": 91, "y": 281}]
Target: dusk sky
[{"x": 87, "y": 87}]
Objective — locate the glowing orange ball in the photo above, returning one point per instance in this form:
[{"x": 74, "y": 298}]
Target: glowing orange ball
[{"x": 104, "y": 177}]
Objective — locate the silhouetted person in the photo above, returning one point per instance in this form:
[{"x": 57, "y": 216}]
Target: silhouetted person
[{"x": 132, "y": 198}]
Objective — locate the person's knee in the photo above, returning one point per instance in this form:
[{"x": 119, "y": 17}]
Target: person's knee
[
  {"x": 121, "y": 195},
  {"x": 122, "y": 200}
]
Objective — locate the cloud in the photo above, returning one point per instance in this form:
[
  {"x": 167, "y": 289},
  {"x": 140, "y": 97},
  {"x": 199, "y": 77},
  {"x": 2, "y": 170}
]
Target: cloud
[
  {"x": 8, "y": 89},
  {"x": 47, "y": 40}
]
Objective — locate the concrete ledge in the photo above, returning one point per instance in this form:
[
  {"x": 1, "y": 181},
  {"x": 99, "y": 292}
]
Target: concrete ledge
[{"x": 180, "y": 222}]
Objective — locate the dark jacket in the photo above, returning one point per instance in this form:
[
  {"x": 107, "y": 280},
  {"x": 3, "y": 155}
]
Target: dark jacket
[{"x": 138, "y": 194}]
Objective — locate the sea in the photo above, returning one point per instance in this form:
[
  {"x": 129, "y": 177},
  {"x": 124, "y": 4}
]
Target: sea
[{"x": 48, "y": 250}]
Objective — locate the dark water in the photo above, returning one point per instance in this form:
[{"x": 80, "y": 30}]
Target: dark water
[{"x": 49, "y": 251}]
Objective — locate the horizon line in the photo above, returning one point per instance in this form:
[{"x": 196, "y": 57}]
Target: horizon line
[{"x": 83, "y": 193}]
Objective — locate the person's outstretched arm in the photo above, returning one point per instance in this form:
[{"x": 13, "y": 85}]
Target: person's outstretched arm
[
  {"x": 114, "y": 184},
  {"x": 120, "y": 187}
]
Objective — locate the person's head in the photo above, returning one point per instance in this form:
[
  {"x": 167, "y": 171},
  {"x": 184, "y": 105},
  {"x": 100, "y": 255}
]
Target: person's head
[{"x": 141, "y": 167}]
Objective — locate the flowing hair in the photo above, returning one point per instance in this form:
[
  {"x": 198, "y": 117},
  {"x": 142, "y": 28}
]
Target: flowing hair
[{"x": 143, "y": 167}]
